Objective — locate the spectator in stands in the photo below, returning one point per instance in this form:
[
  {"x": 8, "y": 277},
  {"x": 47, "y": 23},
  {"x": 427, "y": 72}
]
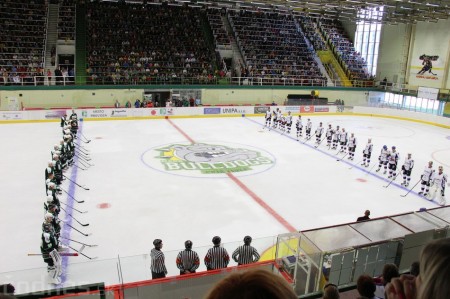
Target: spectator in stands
[
  {"x": 137, "y": 103},
  {"x": 117, "y": 104},
  {"x": 7, "y": 289},
  {"x": 128, "y": 104},
  {"x": 390, "y": 271},
  {"x": 330, "y": 291},
  {"x": 49, "y": 76},
  {"x": 365, "y": 217},
  {"x": 432, "y": 281},
  {"x": 58, "y": 76},
  {"x": 256, "y": 283},
  {"x": 366, "y": 286},
  {"x": 415, "y": 269}
]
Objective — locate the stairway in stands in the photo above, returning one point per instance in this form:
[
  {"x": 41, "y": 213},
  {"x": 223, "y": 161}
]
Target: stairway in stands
[
  {"x": 238, "y": 59},
  {"x": 52, "y": 37}
]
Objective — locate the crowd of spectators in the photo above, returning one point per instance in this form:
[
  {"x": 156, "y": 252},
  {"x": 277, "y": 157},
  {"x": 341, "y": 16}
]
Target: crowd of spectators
[
  {"x": 22, "y": 37},
  {"x": 354, "y": 63},
  {"x": 167, "y": 46},
  {"x": 66, "y": 20},
  {"x": 312, "y": 33},
  {"x": 221, "y": 38},
  {"x": 273, "y": 48}
]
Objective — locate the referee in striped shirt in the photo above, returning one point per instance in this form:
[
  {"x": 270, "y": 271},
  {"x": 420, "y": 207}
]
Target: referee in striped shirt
[
  {"x": 158, "y": 265},
  {"x": 187, "y": 260},
  {"x": 246, "y": 254},
  {"x": 216, "y": 257}
]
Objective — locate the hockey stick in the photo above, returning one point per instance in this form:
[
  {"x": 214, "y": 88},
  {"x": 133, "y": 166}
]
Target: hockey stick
[
  {"x": 79, "y": 167},
  {"x": 85, "y": 164},
  {"x": 88, "y": 140},
  {"x": 86, "y": 224},
  {"x": 411, "y": 188},
  {"x": 76, "y": 183},
  {"x": 86, "y": 235},
  {"x": 84, "y": 156},
  {"x": 78, "y": 201},
  {"x": 371, "y": 169},
  {"x": 84, "y": 244},
  {"x": 306, "y": 139},
  {"x": 340, "y": 159},
  {"x": 81, "y": 212},
  {"x": 61, "y": 254},
  {"x": 391, "y": 181},
  {"x": 356, "y": 164},
  {"x": 316, "y": 146},
  {"x": 82, "y": 149},
  {"x": 91, "y": 258}
]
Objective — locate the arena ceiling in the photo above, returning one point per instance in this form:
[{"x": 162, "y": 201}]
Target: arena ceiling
[{"x": 385, "y": 11}]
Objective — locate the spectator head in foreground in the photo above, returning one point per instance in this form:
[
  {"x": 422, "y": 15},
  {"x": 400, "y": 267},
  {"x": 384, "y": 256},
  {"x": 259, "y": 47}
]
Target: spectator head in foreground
[
  {"x": 258, "y": 284},
  {"x": 330, "y": 291},
  {"x": 366, "y": 286},
  {"x": 389, "y": 271}
]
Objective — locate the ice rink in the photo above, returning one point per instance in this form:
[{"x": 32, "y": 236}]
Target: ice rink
[{"x": 141, "y": 190}]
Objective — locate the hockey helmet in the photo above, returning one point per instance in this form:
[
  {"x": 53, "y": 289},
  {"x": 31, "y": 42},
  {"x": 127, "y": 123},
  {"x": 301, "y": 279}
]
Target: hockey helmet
[
  {"x": 216, "y": 240},
  {"x": 53, "y": 163},
  {"x": 188, "y": 244},
  {"x": 49, "y": 163},
  {"x": 49, "y": 198},
  {"x": 56, "y": 146},
  {"x": 51, "y": 185},
  {"x": 47, "y": 228},
  {"x": 48, "y": 216},
  {"x": 55, "y": 156},
  {"x": 385, "y": 147},
  {"x": 157, "y": 242},
  {"x": 393, "y": 147},
  {"x": 247, "y": 240}
]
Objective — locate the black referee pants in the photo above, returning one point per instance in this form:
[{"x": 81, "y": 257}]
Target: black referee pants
[{"x": 158, "y": 275}]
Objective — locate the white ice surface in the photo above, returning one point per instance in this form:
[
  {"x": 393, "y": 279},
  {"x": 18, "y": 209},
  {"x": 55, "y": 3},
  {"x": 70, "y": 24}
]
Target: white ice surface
[{"x": 306, "y": 186}]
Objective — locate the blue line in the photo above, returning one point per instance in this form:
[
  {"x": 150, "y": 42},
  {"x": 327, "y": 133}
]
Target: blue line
[
  {"x": 346, "y": 162},
  {"x": 70, "y": 202}
]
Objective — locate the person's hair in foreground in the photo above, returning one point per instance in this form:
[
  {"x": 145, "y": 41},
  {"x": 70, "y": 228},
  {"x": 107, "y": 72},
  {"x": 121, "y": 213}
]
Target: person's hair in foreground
[
  {"x": 252, "y": 284},
  {"x": 330, "y": 291},
  {"x": 433, "y": 280}
]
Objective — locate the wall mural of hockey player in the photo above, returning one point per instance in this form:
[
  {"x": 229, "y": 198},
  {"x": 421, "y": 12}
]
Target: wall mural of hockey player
[{"x": 427, "y": 62}]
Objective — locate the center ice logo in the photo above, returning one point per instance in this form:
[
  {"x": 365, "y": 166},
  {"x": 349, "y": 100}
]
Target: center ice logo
[{"x": 203, "y": 159}]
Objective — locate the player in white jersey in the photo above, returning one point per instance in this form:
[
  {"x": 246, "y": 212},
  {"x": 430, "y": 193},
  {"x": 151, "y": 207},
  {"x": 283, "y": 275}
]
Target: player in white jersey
[
  {"x": 282, "y": 119},
  {"x": 268, "y": 118},
  {"x": 299, "y": 127},
  {"x": 407, "y": 168},
  {"x": 289, "y": 122},
  {"x": 319, "y": 131},
  {"x": 279, "y": 117},
  {"x": 329, "y": 135},
  {"x": 427, "y": 177},
  {"x": 438, "y": 186},
  {"x": 383, "y": 158},
  {"x": 275, "y": 118},
  {"x": 308, "y": 129},
  {"x": 393, "y": 161},
  {"x": 343, "y": 139},
  {"x": 336, "y": 135},
  {"x": 351, "y": 146},
  {"x": 367, "y": 152}
]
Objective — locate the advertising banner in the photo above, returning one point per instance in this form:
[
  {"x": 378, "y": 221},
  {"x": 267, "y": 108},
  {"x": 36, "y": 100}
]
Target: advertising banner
[
  {"x": 261, "y": 109},
  {"x": 321, "y": 109},
  {"x": 54, "y": 114},
  {"x": 307, "y": 109},
  {"x": 11, "y": 115},
  {"x": 215, "y": 110}
]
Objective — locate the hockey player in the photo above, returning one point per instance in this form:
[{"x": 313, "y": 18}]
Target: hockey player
[
  {"x": 73, "y": 116},
  {"x": 51, "y": 218},
  {"x": 275, "y": 118},
  {"x": 319, "y": 131},
  {"x": 299, "y": 127},
  {"x": 268, "y": 118},
  {"x": 246, "y": 254},
  {"x": 187, "y": 260},
  {"x": 343, "y": 139},
  {"x": 383, "y": 159},
  {"x": 351, "y": 146},
  {"x": 63, "y": 120},
  {"x": 282, "y": 120},
  {"x": 217, "y": 257},
  {"x": 279, "y": 117},
  {"x": 407, "y": 168},
  {"x": 308, "y": 129},
  {"x": 51, "y": 201},
  {"x": 367, "y": 152},
  {"x": 329, "y": 135},
  {"x": 393, "y": 161},
  {"x": 289, "y": 122},
  {"x": 336, "y": 135},
  {"x": 49, "y": 246},
  {"x": 426, "y": 177},
  {"x": 438, "y": 186},
  {"x": 74, "y": 127}
]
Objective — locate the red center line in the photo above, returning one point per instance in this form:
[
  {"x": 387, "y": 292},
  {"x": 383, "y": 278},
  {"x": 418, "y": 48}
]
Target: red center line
[{"x": 246, "y": 189}]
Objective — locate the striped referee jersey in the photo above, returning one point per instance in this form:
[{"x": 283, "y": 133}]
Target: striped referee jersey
[
  {"x": 187, "y": 260},
  {"x": 245, "y": 254},
  {"x": 158, "y": 264},
  {"x": 216, "y": 258}
]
